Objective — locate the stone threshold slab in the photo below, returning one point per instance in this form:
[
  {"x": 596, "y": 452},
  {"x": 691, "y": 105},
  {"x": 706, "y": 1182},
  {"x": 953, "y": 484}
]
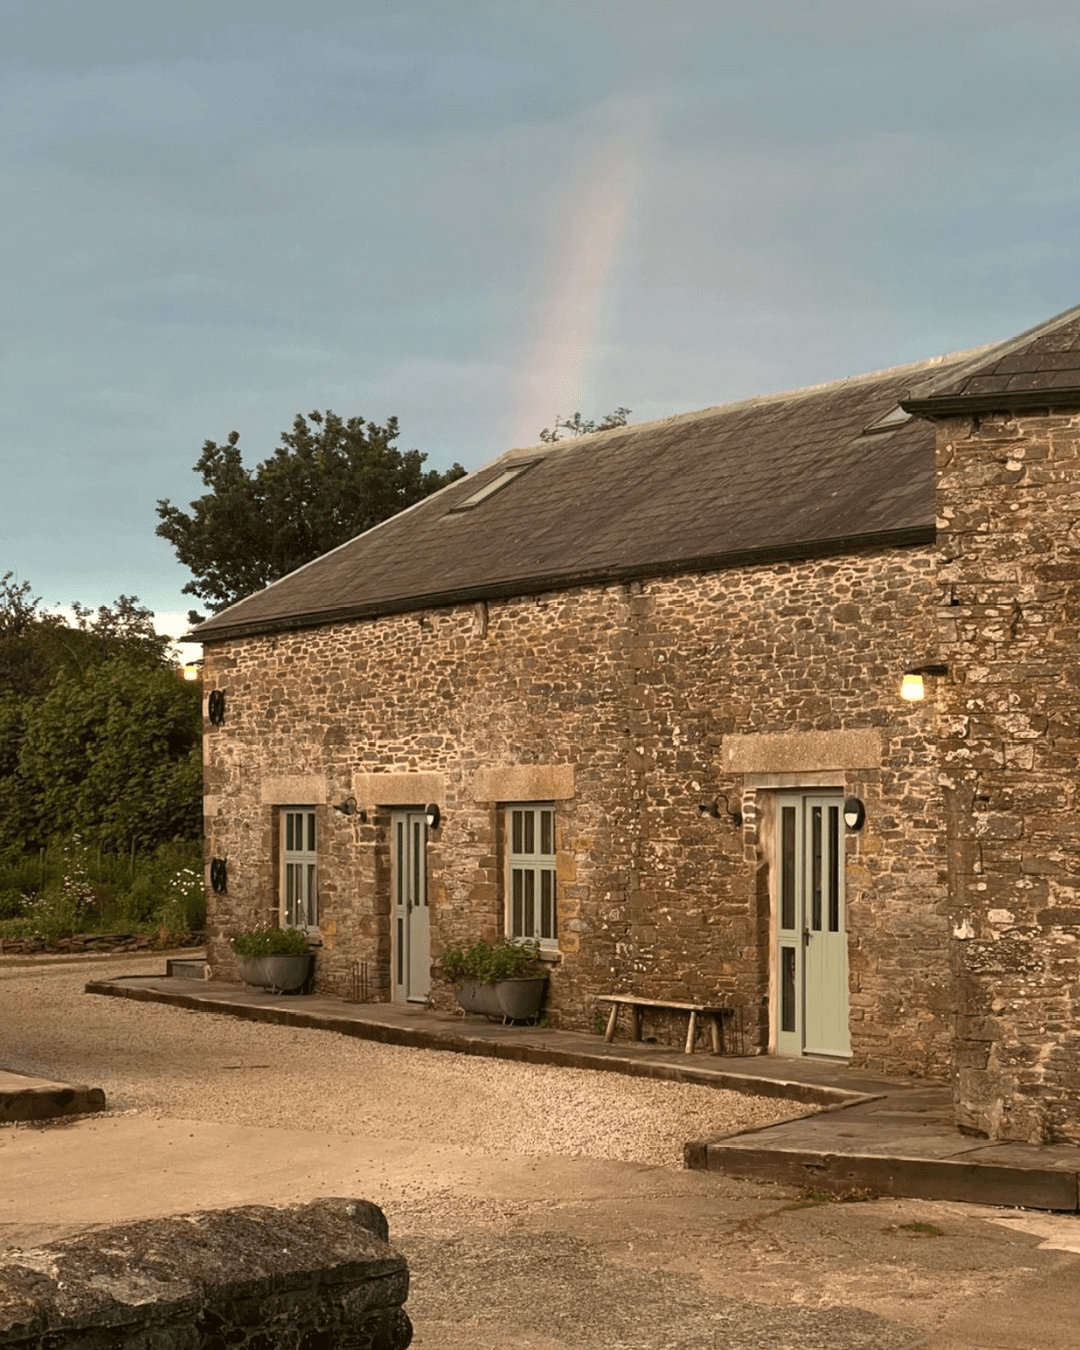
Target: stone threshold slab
[
  {"x": 23, "y": 1097},
  {"x": 924, "y": 1178}
]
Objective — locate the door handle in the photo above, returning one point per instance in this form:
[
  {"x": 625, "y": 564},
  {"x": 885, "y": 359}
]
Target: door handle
[{"x": 806, "y": 935}]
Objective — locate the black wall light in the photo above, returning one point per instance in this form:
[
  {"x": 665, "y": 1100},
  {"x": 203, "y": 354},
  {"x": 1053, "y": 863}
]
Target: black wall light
[
  {"x": 854, "y": 813},
  {"x": 712, "y": 809},
  {"x": 348, "y": 808},
  {"x": 215, "y": 707},
  {"x": 912, "y": 687},
  {"x": 433, "y": 816},
  {"x": 219, "y": 876}
]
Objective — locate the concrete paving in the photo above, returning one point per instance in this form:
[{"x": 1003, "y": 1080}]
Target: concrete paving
[{"x": 891, "y": 1137}]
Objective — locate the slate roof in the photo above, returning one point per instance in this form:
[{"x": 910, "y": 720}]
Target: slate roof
[
  {"x": 786, "y": 476},
  {"x": 780, "y": 477},
  {"x": 1038, "y": 369}
]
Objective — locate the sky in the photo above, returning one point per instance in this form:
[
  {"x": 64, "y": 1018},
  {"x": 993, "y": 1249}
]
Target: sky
[{"x": 477, "y": 215}]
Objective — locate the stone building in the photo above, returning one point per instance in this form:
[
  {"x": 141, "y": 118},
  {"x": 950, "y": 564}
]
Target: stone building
[{"x": 641, "y": 674}]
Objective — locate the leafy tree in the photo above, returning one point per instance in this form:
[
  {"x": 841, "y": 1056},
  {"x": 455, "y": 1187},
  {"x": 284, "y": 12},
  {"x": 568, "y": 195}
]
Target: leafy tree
[
  {"x": 17, "y": 818},
  {"x": 35, "y": 644},
  {"x": 97, "y": 733},
  {"x": 30, "y": 642},
  {"x": 578, "y": 426},
  {"x": 114, "y": 753},
  {"x": 124, "y": 628},
  {"x": 327, "y": 481}
]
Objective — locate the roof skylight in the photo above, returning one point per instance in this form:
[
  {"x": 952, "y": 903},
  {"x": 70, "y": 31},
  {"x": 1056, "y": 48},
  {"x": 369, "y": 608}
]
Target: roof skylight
[
  {"x": 494, "y": 485},
  {"x": 895, "y": 417}
]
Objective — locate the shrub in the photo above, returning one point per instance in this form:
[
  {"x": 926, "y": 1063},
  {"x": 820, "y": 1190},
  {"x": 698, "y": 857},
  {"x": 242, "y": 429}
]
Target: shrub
[
  {"x": 12, "y": 904},
  {"x": 270, "y": 942},
  {"x": 183, "y": 910},
  {"x": 71, "y": 887},
  {"x": 507, "y": 960},
  {"x": 52, "y": 915}
]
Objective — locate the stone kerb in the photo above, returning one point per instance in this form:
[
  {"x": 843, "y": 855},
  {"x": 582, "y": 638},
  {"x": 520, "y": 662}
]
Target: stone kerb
[{"x": 320, "y": 1274}]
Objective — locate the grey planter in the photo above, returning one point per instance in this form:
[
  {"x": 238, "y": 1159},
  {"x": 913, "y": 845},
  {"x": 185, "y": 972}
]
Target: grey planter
[
  {"x": 509, "y": 1000},
  {"x": 280, "y": 974}
]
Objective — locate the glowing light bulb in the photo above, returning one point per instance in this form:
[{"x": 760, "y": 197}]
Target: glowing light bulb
[{"x": 912, "y": 688}]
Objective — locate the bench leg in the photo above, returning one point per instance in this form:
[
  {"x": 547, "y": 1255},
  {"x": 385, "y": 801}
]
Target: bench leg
[
  {"x": 691, "y": 1032},
  {"x": 636, "y": 1012},
  {"x": 714, "y": 1027},
  {"x": 609, "y": 1035}
]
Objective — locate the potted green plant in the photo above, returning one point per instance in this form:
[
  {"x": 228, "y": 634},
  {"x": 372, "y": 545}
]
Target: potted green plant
[
  {"x": 278, "y": 959},
  {"x": 506, "y": 980}
]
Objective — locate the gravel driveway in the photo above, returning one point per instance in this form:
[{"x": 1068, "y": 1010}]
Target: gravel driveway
[{"x": 169, "y": 1062}]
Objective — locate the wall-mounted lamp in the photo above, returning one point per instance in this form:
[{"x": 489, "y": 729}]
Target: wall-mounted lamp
[
  {"x": 912, "y": 688},
  {"x": 215, "y": 707},
  {"x": 348, "y": 808},
  {"x": 712, "y": 810},
  {"x": 219, "y": 876},
  {"x": 854, "y": 813},
  {"x": 192, "y": 670},
  {"x": 433, "y": 816}
]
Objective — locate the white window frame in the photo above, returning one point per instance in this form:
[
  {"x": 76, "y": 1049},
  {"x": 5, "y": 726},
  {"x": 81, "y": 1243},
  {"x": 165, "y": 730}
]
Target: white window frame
[
  {"x": 299, "y": 884},
  {"x": 531, "y": 888}
]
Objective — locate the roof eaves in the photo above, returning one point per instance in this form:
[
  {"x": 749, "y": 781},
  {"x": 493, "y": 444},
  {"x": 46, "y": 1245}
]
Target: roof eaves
[
  {"x": 909, "y": 537},
  {"x": 1007, "y": 400},
  {"x": 195, "y": 634},
  {"x": 981, "y": 357}
]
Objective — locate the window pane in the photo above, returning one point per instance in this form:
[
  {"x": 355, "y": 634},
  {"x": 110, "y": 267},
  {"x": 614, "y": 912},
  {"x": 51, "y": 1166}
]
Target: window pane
[
  {"x": 517, "y": 913},
  {"x": 291, "y": 880},
  {"x": 529, "y": 926},
  {"x": 787, "y": 988},
  {"x": 311, "y": 832},
  {"x": 516, "y": 831},
  {"x": 815, "y": 869},
  {"x": 289, "y": 819},
  {"x": 547, "y": 832},
  {"x": 547, "y": 904},
  {"x": 529, "y": 821},
  {"x": 312, "y": 895},
  {"x": 787, "y": 868}
]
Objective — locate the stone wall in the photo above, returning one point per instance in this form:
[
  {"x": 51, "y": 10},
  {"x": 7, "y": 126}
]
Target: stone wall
[
  {"x": 1009, "y": 502},
  {"x": 319, "y": 1274},
  {"x": 620, "y": 699}
]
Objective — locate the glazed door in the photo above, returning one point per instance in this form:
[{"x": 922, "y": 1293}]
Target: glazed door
[
  {"x": 811, "y": 969},
  {"x": 412, "y": 930}
]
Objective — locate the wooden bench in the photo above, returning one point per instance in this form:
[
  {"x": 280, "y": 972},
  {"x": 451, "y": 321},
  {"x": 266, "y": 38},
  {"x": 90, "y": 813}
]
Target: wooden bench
[{"x": 713, "y": 1011}]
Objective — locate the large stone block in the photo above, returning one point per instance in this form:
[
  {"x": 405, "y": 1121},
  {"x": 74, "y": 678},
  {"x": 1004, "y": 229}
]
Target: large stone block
[{"x": 315, "y": 1274}]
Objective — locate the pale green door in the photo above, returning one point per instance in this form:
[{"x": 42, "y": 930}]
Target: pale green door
[
  {"x": 812, "y": 967},
  {"x": 411, "y": 956}
]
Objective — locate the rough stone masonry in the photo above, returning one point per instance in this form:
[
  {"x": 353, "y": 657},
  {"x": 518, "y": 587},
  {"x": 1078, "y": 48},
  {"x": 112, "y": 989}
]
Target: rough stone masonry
[
  {"x": 1009, "y": 534},
  {"x": 615, "y": 703}
]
